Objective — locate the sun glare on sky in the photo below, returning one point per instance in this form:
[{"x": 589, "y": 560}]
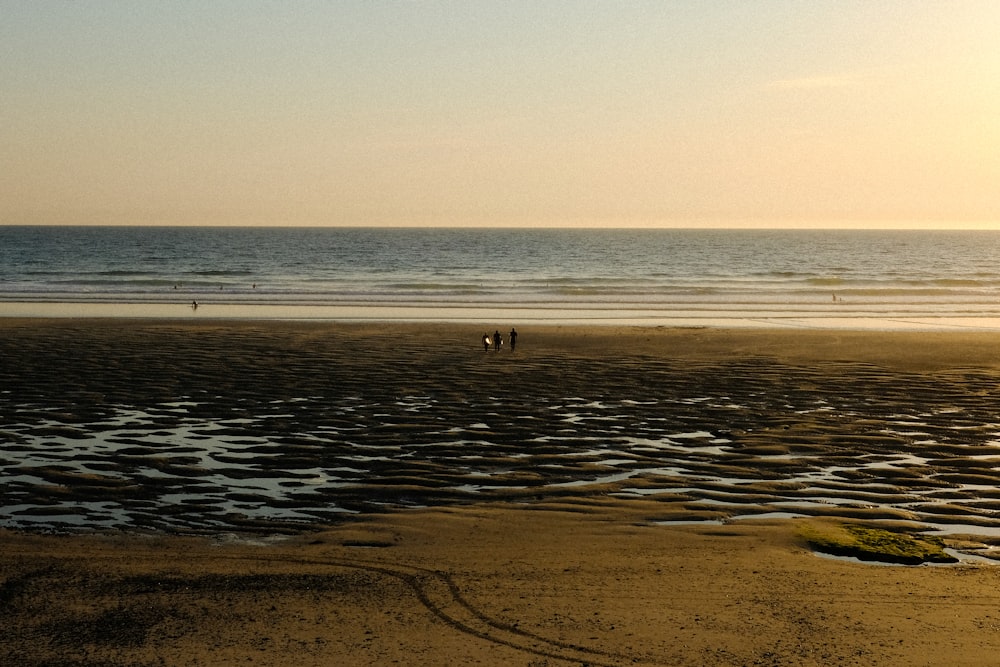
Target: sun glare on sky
[{"x": 721, "y": 113}]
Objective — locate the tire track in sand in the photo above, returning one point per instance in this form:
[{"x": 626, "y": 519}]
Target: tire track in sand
[{"x": 441, "y": 596}]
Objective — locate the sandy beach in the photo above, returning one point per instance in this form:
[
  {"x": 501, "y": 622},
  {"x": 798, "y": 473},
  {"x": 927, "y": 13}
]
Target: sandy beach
[{"x": 600, "y": 496}]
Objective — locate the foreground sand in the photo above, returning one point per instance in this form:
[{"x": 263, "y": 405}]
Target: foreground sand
[
  {"x": 561, "y": 579},
  {"x": 487, "y": 586}
]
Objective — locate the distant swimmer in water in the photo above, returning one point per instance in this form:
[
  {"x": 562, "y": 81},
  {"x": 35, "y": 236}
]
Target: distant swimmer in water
[{"x": 194, "y": 305}]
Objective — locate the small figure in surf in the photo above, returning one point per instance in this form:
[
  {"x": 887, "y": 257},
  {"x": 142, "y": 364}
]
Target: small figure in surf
[
  {"x": 486, "y": 342},
  {"x": 194, "y": 305},
  {"x": 512, "y": 336},
  {"x": 497, "y": 340}
]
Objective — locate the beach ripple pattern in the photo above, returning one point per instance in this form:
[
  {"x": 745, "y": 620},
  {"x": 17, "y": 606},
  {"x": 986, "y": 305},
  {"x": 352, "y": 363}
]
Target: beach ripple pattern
[{"x": 172, "y": 432}]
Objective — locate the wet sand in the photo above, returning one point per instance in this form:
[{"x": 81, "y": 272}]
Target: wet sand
[{"x": 600, "y": 496}]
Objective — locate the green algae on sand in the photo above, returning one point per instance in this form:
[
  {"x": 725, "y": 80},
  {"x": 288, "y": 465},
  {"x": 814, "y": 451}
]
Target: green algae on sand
[{"x": 872, "y": 543}]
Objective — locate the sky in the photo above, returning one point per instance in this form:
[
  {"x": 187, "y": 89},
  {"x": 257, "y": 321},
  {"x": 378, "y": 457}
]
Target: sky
[{"x": 757, "y": 113}]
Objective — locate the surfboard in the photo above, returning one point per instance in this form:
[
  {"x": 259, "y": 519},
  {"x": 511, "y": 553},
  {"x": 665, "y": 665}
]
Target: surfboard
[{"x": 488, "y": 341}]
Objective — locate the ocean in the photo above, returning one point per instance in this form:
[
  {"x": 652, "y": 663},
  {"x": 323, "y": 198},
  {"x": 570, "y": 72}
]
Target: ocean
[{"x": 623, "y": 275}]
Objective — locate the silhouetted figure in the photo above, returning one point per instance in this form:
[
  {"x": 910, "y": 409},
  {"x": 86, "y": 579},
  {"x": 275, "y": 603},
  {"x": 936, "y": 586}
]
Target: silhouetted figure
[
  {"x": 497, "y": 340},
  {"x": 486, "y": 342},
  {"x": 194, "y": 305},
  {"x": 513, "y": 339}
]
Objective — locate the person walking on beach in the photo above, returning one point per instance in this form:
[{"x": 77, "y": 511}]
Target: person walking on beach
[
  {"x": 486, "y": 342},
  {"x": 497, "y": 340},
  {"x": 513, "y": 338}
]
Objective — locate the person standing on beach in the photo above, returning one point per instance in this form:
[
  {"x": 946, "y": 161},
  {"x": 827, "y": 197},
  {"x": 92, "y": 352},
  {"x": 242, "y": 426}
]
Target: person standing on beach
[
  {"x": 513, "y": 338},
  {"x": 497, "y": 340},
  {"x": 486, "y": 342}
]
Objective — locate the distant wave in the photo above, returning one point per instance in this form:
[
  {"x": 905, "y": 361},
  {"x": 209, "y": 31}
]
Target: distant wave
[
  {"x": 220, "y": 272},
  {"x": 958, "y": 282},
  {"x": 458, "y": 288}
]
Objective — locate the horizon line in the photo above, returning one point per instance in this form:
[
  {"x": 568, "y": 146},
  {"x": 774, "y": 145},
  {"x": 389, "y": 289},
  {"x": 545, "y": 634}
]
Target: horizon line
[{"x": 856, "y": 226}]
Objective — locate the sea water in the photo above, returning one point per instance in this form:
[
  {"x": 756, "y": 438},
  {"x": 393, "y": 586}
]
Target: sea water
[{"x": 630, "y": 275}]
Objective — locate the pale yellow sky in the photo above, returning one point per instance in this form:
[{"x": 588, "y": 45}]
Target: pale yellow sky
[{"x": 765, "y": 113}]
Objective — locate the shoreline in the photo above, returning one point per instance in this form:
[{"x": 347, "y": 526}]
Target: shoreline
[{"x": 867, "y": 317}]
